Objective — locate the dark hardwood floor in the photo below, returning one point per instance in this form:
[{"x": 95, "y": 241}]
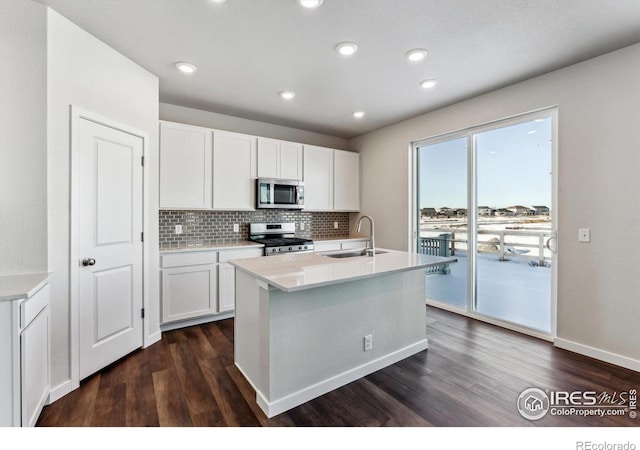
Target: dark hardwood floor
[{"x": 471, "y": 375}]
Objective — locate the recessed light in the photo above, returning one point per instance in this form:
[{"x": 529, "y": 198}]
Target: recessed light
[
  {"x": 311, "y": 4},
  {"x": 428, "y": 84},
  {"x": 218, "y": 1},
  {"x": 347, "y": 48},
  {"x": 186, "y": 67},
  {"x": 417, "y": 54},
  {"x": 358, "y": 114},
  {"x": 287, "y": 95},
  {"x": 531, "y": 132}
]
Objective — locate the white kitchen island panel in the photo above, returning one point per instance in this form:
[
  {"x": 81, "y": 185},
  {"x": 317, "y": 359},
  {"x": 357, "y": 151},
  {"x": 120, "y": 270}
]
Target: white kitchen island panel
[{"x": 295, "y": 345}]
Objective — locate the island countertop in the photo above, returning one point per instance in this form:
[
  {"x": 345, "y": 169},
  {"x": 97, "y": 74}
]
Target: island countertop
[{"x": 299, "y": 271}]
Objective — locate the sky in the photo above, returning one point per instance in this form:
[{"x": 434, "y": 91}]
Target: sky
[{"x": 513, "y": 168}]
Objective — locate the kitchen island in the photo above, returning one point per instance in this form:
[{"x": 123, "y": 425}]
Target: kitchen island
[{"x": 308, "y": 323}]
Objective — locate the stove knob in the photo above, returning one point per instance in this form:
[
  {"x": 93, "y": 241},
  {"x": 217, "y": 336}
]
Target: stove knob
[
  {"x": 290, "y": 249},
  {"x": 279, "y": 249},
  {"x": 306, "y": 247}
]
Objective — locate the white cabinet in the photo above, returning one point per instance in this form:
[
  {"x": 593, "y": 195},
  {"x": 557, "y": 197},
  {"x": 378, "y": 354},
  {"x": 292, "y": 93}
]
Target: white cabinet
[
  {"x": 227, "y": 275},
  {"x": 333, "y": 245},
  {"x": 24, "y": 352},
  {"x": 318, "y": 178},
  {"x": 185, "y": 166},
  {"x": 346, "y": 181},
  {"x": 189, "y": 285},
  {"x": 234, "y": 171},
  {"x": 200, "y": 283},
  {"x": 279, "y": 159}
]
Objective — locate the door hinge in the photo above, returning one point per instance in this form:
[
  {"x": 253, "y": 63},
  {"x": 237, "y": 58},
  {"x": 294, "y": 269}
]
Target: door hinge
[
  {"x": 142, "y": 160},
  {"x": 142, "y": 236},
  {"x": 142, "y": 313}
]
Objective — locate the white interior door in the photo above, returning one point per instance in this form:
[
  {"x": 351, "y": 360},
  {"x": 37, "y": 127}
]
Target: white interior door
[{"x": 109, "y": 244}]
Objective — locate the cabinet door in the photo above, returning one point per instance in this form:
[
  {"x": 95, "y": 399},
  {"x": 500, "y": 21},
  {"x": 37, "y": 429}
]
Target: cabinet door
[
  {"x": 346, "y": 181},
  {"x": 268, "y": 158},
  {"x": 227, "y": 297},
  {"x": 290, "y": 161},
  {"x": 189, "y": 292},
  {"x": 318, "y": 178},
  {"x": 34, "y": 355},
  {"x": 234, "y": 171},
  {"x": 185, "y": 167}
]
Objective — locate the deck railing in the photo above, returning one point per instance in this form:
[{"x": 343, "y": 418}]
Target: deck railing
[
  {"x": 500, "y": 245},
  {"x": 437, "y": 246}
]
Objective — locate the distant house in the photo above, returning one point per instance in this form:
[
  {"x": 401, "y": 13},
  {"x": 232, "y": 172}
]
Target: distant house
[
  {"x": 446, "y": 212},
  {"x": 485, "y": 211},
  {"x": 519, "y": 210},
  {"x": 540, "y": 210},
  {"x": 428, "y": 212},
  {"x": 461, "y": 212},
  {"x": 501, "y": 212}
]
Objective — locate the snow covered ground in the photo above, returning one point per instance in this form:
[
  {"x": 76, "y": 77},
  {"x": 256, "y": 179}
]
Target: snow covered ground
[{"x": 511, "y": 290}]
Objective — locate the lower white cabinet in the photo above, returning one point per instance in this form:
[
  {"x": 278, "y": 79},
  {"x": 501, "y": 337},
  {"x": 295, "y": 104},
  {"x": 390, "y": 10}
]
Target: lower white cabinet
[
  {"x": 24, "y": 356},
  {"x": 346, "y": 244},
  {"x": 227, "y": 275},
  {"x": 189, "y": 285},
  {"x": 199, "y": 283}
]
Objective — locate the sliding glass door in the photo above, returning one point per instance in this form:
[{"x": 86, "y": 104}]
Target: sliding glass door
[{"x": 486, "y": 195}]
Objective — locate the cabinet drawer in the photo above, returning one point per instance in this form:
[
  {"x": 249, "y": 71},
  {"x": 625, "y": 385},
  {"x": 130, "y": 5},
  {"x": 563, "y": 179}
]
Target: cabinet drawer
[
  {"x": 226, "y": 255},
  {"x": 31, "y": 307},
  {"x": 188, "y": 259}
]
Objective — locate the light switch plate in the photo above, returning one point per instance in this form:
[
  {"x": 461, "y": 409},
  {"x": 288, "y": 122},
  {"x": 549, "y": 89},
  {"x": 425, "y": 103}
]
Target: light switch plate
[
  {"x": 236, "y": 227},
  {"x": 301, "y": 226},
  {"x": 178, "y": 229},
  {"x": 584, "y": 235},
  {"x": 335, "y": 225}
]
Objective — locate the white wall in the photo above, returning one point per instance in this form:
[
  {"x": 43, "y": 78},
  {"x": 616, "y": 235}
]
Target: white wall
[
  {"x": 23, "y": 137},
  {"x": 208, "y": 119},
  {"x": 85, "y": 72},
  {"x": 599, "y": 162}
]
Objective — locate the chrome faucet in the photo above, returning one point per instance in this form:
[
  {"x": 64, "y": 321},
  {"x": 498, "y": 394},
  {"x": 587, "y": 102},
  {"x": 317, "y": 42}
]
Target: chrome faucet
[{"x": 369, "y": 250}]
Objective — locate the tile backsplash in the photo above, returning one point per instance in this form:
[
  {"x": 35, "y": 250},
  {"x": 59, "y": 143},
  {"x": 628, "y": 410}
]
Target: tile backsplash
[{"x": 211, "y": 227}]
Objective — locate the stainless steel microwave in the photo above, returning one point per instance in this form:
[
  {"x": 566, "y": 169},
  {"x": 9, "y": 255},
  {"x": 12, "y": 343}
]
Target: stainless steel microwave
[{"x": 279, "y": 194}]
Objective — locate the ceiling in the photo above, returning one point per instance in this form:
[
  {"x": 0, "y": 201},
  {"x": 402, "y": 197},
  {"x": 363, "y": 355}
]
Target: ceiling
[{"x": 247, "y": 51}]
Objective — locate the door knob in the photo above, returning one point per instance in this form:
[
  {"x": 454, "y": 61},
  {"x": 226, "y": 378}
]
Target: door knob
[{"x": 88, "y": 262}]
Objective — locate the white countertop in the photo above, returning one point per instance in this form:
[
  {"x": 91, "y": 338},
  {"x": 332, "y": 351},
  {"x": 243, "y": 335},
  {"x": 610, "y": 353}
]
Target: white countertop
[
  {"x": 298, "y": 271},
  {"x": 13, "y": 287},
  {"x": 213, "y": 247}
]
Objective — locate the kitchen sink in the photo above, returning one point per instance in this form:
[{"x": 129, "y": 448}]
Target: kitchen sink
[{"x": 352, "y": 254}]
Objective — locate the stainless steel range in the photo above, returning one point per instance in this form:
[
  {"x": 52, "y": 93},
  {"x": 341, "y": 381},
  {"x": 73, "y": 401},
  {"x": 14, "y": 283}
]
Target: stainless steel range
[{"x": 278, "y": 238}]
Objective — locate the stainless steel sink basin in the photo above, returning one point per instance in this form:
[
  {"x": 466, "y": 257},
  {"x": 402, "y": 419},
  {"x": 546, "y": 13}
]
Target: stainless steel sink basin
[{"x": 351, "y": 254}]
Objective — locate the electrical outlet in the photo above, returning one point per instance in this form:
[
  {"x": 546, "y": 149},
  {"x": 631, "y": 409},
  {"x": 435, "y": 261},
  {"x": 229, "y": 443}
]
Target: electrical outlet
[
  {"x": 335, "y": 225},
  {"x": 368, "y": 342},
  {"x": 584, "y": 235},
  {"x": 301, "y": 226},
  {"x": 236, "y": 228},
  {"x": 178, "y": 229}
]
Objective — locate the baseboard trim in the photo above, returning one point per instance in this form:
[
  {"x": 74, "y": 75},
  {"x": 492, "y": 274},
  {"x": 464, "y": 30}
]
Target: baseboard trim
[
  {"x": 283, "y": 404},
  {"x": 152, "y": 339},
  {"x": 61, "y": 390},
  {"x": 197, "y": 321},
  {"x": 596, "y": 353}
]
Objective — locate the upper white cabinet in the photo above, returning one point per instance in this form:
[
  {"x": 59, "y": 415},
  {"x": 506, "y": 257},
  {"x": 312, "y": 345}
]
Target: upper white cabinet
[
  {"x": 234, "y": 171},
  {"x": 346, "y": 181},
  {"x": 185, "y": 166},
  {"x": 318, "y": 178},
  {"x": 279, "y": 159},
  {"x": 202, "y": 168},
  {"x": 332, "y": 179}
]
